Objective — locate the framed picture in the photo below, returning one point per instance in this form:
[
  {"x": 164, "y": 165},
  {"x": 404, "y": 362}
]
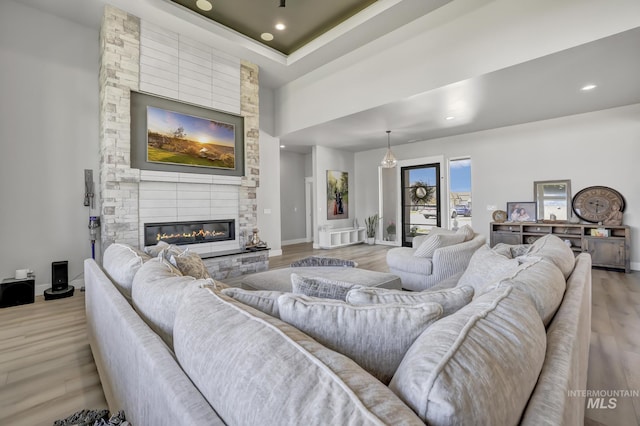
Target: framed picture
[
  {"x": 337, "y": 195},
  {"x": 521, "y": 211},
  {"x": 168, "y": 135}
]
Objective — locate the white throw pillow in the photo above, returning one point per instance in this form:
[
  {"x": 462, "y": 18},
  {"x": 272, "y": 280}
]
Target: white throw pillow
[
  {"x": 374, "y": 336},
  {"x": 467, "y": 231},
  {"x": 320, "y": 287},
  {"x": 477, "y": 366},
  {"x": 451, "y": 299},
  {"x": 555, "y": 250},
  {"x": 486, "y": 268},
  {"x": 436, "y": 241},
  {"x": 263, "y": 300},
  {"x": 121, "y": 262}
]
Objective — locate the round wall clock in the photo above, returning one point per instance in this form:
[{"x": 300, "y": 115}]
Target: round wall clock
[{"x": 595, "y": 203}]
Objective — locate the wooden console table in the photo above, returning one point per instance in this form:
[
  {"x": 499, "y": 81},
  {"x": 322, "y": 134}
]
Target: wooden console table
[{"x": 609, "y": 252}]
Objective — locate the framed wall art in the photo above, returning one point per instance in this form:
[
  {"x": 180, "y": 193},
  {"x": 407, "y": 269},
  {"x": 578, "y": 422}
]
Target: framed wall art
[
  {"x": 168, "y": 135},
  {"x": 337, "y": 195}
]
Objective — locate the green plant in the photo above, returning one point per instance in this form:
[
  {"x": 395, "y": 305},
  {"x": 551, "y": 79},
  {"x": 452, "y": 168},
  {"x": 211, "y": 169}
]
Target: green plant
[
  {"x": 371, "y": 223},
  {"x": 391, "y": 227}
]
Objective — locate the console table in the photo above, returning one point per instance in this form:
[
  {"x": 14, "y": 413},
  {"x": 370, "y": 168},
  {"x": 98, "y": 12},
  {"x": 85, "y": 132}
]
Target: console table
[{"x": 612, "y": 251}]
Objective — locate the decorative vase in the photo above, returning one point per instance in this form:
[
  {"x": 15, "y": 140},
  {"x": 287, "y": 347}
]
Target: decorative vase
[
  {"x": 392, "y": 237},
  {"x": 371, "y": 240}
]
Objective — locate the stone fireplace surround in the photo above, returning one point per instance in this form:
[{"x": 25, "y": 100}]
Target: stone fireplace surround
[{"x": 167, "y": 64}]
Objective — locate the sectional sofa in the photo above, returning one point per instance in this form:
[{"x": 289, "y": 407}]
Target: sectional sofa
[{"x": 504, "y": 345}]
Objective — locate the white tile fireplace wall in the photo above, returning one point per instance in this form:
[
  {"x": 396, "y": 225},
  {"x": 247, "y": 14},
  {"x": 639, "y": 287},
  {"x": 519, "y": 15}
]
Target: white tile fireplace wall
[{"x": 138, "y": 55}]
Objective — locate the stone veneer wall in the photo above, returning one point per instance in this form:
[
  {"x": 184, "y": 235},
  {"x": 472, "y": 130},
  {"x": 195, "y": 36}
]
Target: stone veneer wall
[{"x": 119, "y": 183}]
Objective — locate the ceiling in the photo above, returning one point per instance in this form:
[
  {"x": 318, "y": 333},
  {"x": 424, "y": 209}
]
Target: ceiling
[
  {"x": 543, "y": 88},
  {"x": 304, "y": 20}
]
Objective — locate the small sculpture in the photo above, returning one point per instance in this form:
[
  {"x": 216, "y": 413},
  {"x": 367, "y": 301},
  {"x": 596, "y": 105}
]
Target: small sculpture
[{"x": 615, "y": 217}]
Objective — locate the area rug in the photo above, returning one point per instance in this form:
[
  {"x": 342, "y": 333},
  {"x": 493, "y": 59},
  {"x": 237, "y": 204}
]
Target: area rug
[{"x": 94, "y": 418}]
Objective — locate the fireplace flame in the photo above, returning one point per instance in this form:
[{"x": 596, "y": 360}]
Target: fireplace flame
[{"x": 201, "y": 233}]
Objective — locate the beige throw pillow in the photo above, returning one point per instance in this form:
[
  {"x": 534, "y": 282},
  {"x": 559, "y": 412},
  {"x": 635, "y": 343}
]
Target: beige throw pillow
[
  {"x": 486, "y": 267},
  {"x": 477, "y": 366},
  {"x": 451, "y": 299},
  {"x": 374, "y": 336},
  {"x": 436, "y": 241},
  {"x": 190, "y": 263}
]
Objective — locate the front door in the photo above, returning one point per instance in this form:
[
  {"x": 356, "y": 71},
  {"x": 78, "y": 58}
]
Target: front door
[{"x": 420, "y": 200}]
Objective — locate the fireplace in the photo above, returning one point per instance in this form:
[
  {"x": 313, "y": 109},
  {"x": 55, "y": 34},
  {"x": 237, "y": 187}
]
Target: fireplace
[{"x": 192, "y": 232}]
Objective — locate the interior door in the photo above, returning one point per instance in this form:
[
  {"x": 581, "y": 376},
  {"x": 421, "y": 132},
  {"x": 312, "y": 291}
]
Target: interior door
[{"x": 420, "y": 200}]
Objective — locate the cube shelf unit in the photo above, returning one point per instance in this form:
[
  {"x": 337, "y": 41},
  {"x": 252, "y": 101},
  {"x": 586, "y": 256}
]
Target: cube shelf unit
[
  {"x": 332, "y": 238},
  {"x": 611, "y": 251}
]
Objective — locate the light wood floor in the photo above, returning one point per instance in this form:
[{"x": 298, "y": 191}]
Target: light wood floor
[{"x": 47, "y": 371}]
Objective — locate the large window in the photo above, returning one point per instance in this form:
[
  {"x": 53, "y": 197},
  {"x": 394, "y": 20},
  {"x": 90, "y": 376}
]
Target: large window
[
  {"x": 460, "y": 192},
  {"x": 420, "y": 200}
]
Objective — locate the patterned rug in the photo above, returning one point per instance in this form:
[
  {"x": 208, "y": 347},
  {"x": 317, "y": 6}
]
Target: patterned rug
[{"x": 93, "y": 418}]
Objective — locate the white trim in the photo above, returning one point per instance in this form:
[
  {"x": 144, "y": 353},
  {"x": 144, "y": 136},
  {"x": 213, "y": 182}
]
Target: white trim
[
  {"x": 275, "y": 253},
  {"x": 635, "y": 266}
]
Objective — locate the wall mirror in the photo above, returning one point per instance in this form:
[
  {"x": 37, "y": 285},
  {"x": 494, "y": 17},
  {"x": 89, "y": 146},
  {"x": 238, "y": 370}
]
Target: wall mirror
[{"x": 553, "y": 199}]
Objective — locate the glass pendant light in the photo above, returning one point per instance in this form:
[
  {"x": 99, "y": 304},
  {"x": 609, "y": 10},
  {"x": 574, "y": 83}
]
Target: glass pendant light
[{"x": 389, "y": 161}]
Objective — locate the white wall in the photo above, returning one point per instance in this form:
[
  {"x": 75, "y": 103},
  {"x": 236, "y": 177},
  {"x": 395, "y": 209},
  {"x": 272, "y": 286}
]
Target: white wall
[
  {"x": 292, "y": 197},
  {"x": 332, "y": 159},
  {"x": 445, "y": 47},
  {"x": 49, "y": 135},
  {"x": 598, "y": 148},
  {"x": 268, "y": 193}
]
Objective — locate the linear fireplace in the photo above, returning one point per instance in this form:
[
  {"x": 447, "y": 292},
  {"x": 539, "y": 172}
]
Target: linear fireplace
[{"x": 192, "y": 232}]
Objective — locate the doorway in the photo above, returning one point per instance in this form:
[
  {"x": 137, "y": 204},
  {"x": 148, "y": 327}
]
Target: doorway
[{"x": 420, "y": 200}]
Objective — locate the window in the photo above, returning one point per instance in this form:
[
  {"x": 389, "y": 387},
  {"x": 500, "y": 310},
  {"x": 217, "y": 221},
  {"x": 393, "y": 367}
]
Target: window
[{"x": 460, "y": 192}]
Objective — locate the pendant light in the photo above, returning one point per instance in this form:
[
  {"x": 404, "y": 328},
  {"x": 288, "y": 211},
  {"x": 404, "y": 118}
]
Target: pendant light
[{"x": 389, "y": 161}]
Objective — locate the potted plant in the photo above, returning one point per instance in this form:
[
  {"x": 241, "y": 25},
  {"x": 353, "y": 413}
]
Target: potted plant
[
  {"x": 391, "y": 230},
  {"x": 371, "y": 223}
]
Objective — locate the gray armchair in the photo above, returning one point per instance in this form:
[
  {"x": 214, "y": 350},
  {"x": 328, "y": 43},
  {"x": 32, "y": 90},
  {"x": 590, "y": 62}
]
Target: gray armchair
[{"x": 421, "y": 273}]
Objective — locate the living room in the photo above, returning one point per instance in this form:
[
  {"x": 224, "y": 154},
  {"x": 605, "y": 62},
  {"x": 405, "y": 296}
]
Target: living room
[{"x": 51, "y": 127}]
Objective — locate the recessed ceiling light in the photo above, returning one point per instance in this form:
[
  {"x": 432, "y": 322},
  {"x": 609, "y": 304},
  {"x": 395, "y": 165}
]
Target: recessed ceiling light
[
  {"x": 282, "y": 146},
  {"x": 204, "y": 5},
  {"x": 588, "y": 87},
  {"x": 280, "y": 26},
  {"x": 451, "y": 117},
  {"x": 266, "y": 36}
]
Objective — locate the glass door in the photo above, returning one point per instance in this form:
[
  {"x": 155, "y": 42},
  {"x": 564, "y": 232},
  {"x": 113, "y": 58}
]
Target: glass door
[{"x": 420, "y": 200}]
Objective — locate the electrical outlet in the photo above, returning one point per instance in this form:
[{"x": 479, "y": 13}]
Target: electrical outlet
[{"x": 491, "y": 207}]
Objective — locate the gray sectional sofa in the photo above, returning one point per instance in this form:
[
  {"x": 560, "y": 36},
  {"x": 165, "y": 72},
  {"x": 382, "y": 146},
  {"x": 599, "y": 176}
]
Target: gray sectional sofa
[{"x": 176, "y": 350}]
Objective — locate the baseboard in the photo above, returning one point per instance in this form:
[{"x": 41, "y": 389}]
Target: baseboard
[
  {"x": 296, "y": 241},
  {"x": 275, "y": 253},
  {"x": 635, "y": 266}
]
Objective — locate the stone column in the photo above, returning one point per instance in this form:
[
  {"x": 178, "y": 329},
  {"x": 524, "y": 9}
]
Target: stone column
[
  {"x": 119, "y": 74},
  {"x": 249, "y": 109}
]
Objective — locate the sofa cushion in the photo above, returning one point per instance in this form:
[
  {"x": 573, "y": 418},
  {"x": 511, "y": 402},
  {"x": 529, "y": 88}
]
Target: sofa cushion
[
  {"x": 263, "y": 300},
  {"x": 190, "y": 263},
  {"x": 450, "y": 299},
  {"x": 542, "y": 282},
  {"x": 486, "y": 267},
  {"x": 158, "y": 288},
  {"x": 323, "y": 261},
  {"x": 402, "y": 258},
  {"x": 121, "y": 262},
  {"x": 320, "y": 287},
  {"x": 257, "y": 370},
  {"x": 374, "y": 336},
  {"x": 555, "y": 250},
  {"x": 477, "y": 366},
  {"x": 436, "y": 241},
  {"x": 419, "y": 239},
  {"x": 467, "y": 231},
  {"x": 154, "y": 251}
]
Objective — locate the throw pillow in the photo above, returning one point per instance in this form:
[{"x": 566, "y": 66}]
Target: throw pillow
[
  {"x": 374, "y": 336},
  {"x": 486, "y": 267},
  {"x": 490, "y": 350},
  {"x": 263, "y": 300},
  {"x": 323, "y": 261},
  {"x": 168, "y": 249},
  {"x": 467, "y": 231},
  {"x": 555, "y": 250},
  {"x": 121, "y": 262},
  {"x": 320, "y": 287},
  {"x": 436, "y": 241},
  {"x": 450, "y": 299},
  {"x": 190, "y": 263}
]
